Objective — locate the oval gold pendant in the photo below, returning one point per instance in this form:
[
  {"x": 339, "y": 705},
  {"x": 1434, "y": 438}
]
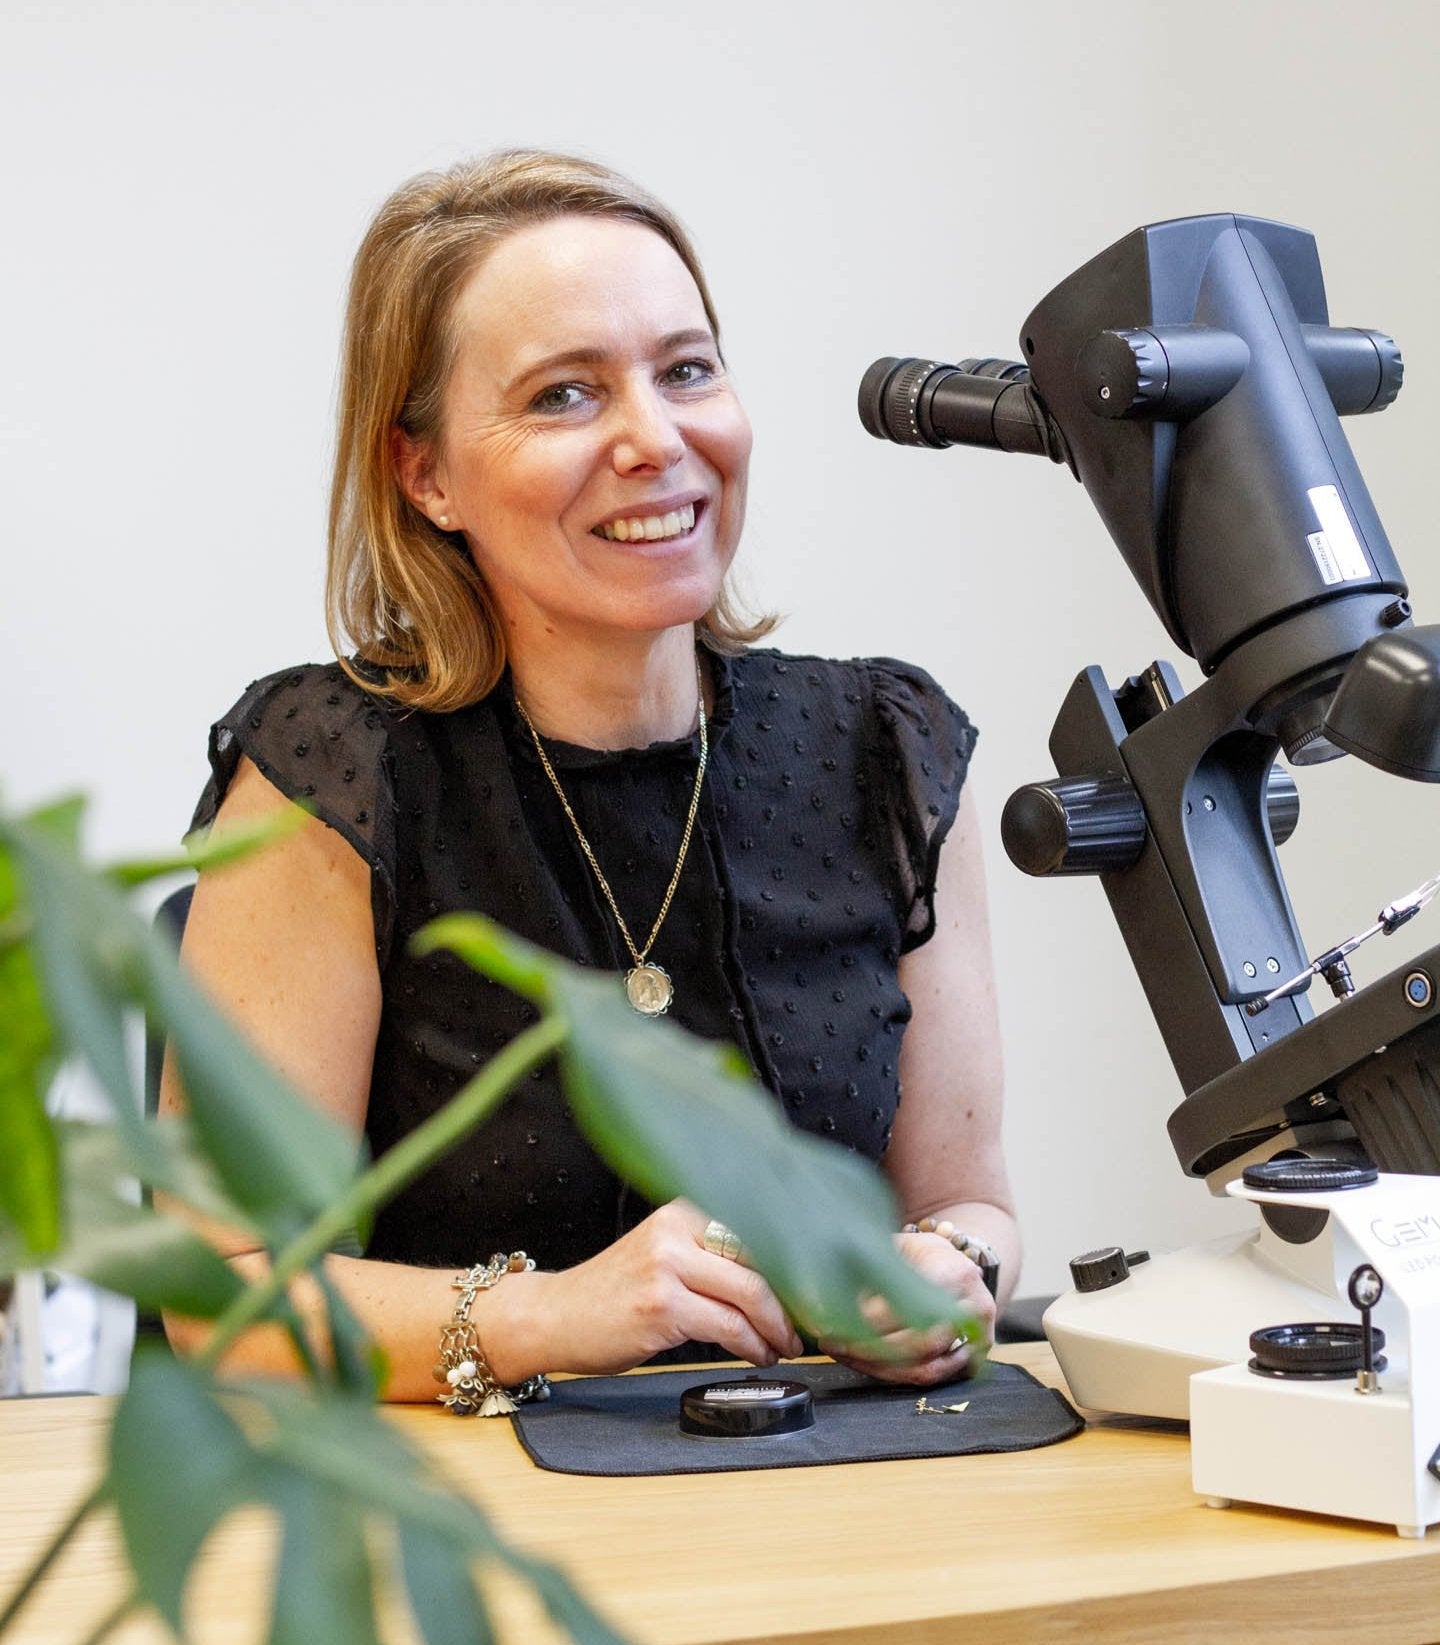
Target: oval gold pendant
[{"x": 649, "y": 990}]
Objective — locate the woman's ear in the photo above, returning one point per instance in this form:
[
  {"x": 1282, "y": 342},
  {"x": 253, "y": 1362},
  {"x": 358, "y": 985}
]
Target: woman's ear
[{"x": 421, "y": 479}]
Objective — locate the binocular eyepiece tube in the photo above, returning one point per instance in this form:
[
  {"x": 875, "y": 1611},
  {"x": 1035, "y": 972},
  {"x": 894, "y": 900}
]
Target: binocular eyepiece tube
[{"x": 975, "y": 403}]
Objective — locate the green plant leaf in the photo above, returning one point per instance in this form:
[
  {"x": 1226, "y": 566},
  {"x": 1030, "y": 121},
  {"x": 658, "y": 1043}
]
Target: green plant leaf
[
  {"x": 448, "y": 1607},
  {"x": 677, "y": 1116},
  {"x": 818, "y": 1222},
  {"x": 278, "y": 1156},
  {"x": 359, "y": 1365},
  {"x": 186, "y": 1173},
  {"x": 60, "y": 822},
  {"x": 324, "y": 1585},
  {"x": 344, "y": 1442},
  {"x": 125, "y": 1247},
  {"x": 206, "y": 849},
  {"x": 178, "y": 1464},
  {"x": 491, "y": 949},
  {"x": 29, "y": 1158},
  {"x": 348, "y": 1449},
  {"x": 353, "y": 1450},
  {"x": 82, "y": 944},
  {"x": 565, "y": 1602}
]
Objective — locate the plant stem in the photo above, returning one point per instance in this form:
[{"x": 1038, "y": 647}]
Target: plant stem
[
  {"x": 389, "y": 1174},
  {"x": 39, "y": 1570}
]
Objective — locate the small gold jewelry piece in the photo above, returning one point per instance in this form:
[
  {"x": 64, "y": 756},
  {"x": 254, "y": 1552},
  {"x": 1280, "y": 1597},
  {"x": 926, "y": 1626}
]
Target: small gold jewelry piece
[
  {"x": 648, "y": 987},
  {"x": 924, "y": 1408}
]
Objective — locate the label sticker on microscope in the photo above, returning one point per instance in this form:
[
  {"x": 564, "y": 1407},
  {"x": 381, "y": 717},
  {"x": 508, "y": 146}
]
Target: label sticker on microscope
[{"x": 1336, "y": 549}]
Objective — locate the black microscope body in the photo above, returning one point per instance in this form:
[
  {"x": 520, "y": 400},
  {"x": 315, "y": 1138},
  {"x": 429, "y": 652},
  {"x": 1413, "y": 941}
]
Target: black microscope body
[{"x": 1191, "y": 380}]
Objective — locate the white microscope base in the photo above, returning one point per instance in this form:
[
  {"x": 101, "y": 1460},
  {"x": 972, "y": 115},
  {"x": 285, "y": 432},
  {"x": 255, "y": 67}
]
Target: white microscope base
[
  {"x": 1317, "y": 1446},
  {"x": 1134, "y": 1346},
  {"x": 1173, "y": 1340}
]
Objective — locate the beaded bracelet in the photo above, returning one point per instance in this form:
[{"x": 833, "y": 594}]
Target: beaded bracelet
[
  {"x": 472, "y": 1388},
  {"x": 984, "y": 1255}
]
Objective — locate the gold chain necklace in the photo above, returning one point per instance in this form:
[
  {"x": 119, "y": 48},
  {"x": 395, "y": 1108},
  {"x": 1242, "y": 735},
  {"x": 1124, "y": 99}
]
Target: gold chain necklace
[{"x": 648, "y": 987}]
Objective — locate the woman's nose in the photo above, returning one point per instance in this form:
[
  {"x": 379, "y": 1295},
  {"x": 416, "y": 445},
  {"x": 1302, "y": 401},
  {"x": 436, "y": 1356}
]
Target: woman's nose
[{"x": 648, "y": 436}]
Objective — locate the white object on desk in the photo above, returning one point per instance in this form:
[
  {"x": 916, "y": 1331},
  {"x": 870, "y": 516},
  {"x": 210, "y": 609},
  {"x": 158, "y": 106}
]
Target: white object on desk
[
  {"x": 1173, "y": 1340},
  {"x": 1135, "y": 1345},
  {"x": 1325, "y": 1446}
]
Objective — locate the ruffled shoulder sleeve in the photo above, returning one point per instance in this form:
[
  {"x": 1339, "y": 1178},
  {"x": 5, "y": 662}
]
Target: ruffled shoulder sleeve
[
  {"x": 324, "y": 742},
  {"x": 923, "y": 742}
]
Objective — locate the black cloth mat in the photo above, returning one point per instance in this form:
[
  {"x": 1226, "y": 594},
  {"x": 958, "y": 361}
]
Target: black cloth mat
[{"x": 630, "y": 1424}]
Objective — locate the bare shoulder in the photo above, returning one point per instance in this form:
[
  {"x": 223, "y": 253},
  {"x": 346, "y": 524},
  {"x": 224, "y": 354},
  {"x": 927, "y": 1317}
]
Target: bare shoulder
[
  {"x": 311, "y": 885},
  {"x": 284, "y": 940}
]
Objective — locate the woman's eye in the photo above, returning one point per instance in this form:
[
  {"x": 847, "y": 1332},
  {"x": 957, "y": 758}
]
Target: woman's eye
[
  {"x": 559, "y": 397},
  {"x": 685, "y": 373}
]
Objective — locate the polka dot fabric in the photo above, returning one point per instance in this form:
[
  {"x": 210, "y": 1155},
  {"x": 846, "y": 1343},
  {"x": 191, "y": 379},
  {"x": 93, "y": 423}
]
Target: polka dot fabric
[{"x": 830, "y": 790}]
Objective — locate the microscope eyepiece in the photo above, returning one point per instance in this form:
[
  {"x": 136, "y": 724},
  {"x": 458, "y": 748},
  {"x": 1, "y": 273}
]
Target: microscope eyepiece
[{"x": 918, "y": 402}]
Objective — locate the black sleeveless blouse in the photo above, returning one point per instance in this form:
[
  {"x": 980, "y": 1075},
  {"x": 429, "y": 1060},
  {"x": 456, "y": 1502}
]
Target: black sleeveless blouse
[{"x": 812, "y": 869}]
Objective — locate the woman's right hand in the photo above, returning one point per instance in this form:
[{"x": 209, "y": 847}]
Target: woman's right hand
[{"x": 653, "y": 1289}]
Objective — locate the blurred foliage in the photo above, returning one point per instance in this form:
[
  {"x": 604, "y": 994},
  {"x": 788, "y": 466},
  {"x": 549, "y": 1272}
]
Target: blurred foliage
[{"x": 671, "y": 1113}]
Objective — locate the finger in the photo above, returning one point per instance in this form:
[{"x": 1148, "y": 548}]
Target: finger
[
  {"x": 904, "y": 1347},
  {"x": 925, "y": 1373},
  {"x": 876, "y": 1313},
  {"x": 916, "y": 1343},
  {"x": 685, "y": 1213},
  {"x": 744, "y": 1289},
  {"x": 707, "y": 1319},
  {"x": 952, "y": 1271},
  {"x": 912, "y": 1345}
]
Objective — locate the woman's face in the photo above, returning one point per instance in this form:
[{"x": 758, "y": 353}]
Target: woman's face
[{"x": 593, "y": 451}]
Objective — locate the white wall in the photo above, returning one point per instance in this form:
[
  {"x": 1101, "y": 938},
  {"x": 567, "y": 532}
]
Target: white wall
[{"x": 185, "y": 184}]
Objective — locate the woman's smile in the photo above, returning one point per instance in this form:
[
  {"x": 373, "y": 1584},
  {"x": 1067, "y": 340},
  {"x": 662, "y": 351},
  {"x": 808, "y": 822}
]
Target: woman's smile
[{"x": 662, "y": 524}]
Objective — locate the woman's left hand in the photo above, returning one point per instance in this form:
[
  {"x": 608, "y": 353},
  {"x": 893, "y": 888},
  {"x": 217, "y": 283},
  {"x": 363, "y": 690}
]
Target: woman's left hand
[{"x": 924, "y": 1358}]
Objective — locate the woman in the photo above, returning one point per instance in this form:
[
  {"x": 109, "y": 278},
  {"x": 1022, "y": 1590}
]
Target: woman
[{"x": 551, "y": 716}]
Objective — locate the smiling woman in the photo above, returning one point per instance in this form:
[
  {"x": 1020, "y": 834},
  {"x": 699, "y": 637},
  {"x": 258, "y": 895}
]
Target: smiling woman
[
  {"x": 398, "y": 591},
  {"x": 545, "y": 709}
]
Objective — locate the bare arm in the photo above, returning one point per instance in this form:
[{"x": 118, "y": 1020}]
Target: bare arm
[
  {"x": 284, "y": 941},
  {"x": 945, "y": 1158}
]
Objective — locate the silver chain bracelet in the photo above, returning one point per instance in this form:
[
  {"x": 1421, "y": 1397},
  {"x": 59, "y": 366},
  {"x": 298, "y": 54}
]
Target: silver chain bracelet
[{"x": 470, "y": 1385}]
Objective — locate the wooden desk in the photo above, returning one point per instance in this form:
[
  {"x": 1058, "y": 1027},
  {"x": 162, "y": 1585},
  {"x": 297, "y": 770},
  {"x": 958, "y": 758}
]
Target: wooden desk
[{"x": 1099, "y": 1538}]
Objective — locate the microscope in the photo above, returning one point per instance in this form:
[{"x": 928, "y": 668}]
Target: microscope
[{"x": 1190, "y": 379}]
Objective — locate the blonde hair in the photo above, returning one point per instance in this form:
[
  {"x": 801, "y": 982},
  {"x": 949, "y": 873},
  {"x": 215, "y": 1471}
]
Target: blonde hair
[{"x": 405, "y": 595}]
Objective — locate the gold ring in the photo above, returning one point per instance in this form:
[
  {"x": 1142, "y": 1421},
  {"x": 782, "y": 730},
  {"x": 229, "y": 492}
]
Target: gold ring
[{"x": 722, "y": 1242}]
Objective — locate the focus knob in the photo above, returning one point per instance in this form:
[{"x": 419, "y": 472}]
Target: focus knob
[
  {"x": 1120, "y": 373},
  {"x": 1174, "y": 372},
  {"x": 1362, "y": 370},
  {"x": 1100, "y": 1269},
  {"x": 1073, "y": 825},
  {"x": 1392, "y": 370}
]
